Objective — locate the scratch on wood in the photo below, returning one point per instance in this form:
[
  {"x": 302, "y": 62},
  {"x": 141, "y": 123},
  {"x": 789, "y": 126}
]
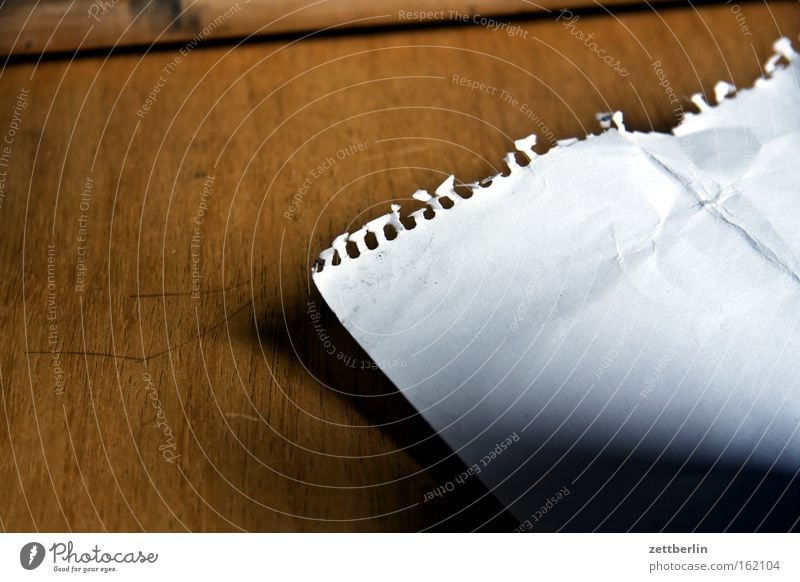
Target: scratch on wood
[
  {"x": 187, "y": 293},
  {"x": 249, "y": 417},
  {"x": 199, "y": 335},
  {"x": 151, "y": 356},
  {"x": 93, "y": 354}
]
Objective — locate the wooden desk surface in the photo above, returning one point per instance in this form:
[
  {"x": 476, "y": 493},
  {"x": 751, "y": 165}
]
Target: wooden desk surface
[{"x": 165, "y": 363}]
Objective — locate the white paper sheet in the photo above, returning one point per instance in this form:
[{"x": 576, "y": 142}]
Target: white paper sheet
[{"x": 632, "y": 295}]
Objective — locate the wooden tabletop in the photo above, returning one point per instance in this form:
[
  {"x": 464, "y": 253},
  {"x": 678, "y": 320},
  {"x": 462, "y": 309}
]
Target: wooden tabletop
[
  {"x": 165, "y": 363},
  {"x": 56, "y": 26}
]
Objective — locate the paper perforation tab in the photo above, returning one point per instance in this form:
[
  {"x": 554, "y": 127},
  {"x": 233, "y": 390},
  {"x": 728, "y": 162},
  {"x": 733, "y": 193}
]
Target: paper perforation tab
[
  {"x": 446, "y": 190},
  {"x": 628, "y": 295}
]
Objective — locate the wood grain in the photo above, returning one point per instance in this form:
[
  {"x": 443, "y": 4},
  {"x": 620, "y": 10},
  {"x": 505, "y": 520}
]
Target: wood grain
[
  {"x": 59, "y": 26},
  {"x": 134, "y": 403}
]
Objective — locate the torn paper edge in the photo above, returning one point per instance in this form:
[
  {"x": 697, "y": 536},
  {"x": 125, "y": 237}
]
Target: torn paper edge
[{"x": 445, "y": 193}]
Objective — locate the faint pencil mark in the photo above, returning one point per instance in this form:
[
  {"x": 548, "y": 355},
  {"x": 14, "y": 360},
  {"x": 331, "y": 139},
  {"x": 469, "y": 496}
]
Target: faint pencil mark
[
  {"x": 72, "y": 315},
  {"x": 140, "y": 360},
  {"x": 182, "y": 293},
  {"x": 95, "y": 354},
  {"x": 199, "y": 335}
]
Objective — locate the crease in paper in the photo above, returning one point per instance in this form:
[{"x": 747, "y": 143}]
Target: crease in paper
[{"x": 629, "y": 294}]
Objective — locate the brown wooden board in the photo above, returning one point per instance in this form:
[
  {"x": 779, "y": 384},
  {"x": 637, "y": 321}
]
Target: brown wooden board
[
  {"x": 130, "y": 404},
  {"x": 66, "y": 26}
]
